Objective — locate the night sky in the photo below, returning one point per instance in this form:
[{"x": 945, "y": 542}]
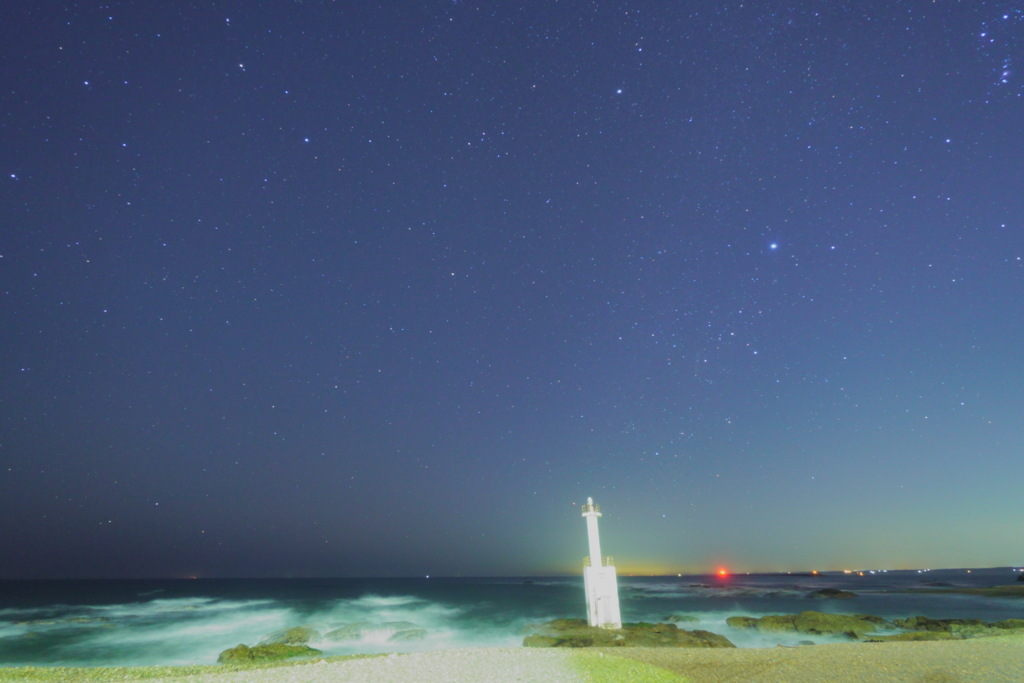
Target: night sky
[{"x": 356, "y": 289}]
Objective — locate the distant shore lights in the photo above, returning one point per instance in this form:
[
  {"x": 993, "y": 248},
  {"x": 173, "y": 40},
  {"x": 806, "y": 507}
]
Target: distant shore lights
[{"x": 599, "y": 579}]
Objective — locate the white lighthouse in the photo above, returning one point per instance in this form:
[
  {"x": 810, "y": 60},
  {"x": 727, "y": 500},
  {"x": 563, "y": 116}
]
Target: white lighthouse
[{"x": 599, "y": 579}]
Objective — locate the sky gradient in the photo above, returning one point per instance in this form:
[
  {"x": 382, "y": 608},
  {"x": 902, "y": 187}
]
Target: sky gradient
[{"x": 338, "y": 289}]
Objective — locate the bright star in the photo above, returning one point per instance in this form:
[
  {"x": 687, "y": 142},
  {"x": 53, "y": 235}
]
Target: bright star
[{"x": 773, "y": 246}]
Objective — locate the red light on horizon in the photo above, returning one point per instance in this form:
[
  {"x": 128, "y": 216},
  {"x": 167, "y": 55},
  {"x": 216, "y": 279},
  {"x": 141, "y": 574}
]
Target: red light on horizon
[{"x": 723, "y": 572}]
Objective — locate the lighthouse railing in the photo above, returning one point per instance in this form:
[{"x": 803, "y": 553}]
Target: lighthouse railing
[{"x": 605, "y": 561}]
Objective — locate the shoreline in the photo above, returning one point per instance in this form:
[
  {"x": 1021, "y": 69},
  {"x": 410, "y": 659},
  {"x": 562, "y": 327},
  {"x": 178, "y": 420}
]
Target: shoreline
[{"x": 983, "y": 660}]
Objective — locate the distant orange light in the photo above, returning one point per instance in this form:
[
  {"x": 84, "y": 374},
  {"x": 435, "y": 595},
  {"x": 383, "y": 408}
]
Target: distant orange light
[{"x": 722, "y": 572}]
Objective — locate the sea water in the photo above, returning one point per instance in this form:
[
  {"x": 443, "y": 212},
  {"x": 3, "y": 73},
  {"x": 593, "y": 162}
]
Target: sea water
[{"x": 135, "y": 623}]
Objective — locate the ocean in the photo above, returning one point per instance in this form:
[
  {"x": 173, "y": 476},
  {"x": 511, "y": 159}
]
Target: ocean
[{"x": 176, "y": 621}]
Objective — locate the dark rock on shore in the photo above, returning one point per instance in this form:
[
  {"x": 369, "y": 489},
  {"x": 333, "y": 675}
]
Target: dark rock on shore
[
  {"x": 1021, "y": 577},
  {"x": 810, "y": 622},
  {"x": 363, "y": 628},
  {"x": 408, "y": 634},
  {"x": 910, "y": 636},
  {"x": 831, "y": 593},
  {"x": 265, "y": 653},
  {"x": 928, "y": 624},
  {"x": 298, "y": 635},
  {"x": 1009, "y": 623},
  {"x": 576, "y": 633},
  {"x": 962, "y": 628}
]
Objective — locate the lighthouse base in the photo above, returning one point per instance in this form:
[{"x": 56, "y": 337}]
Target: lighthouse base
[{"x": 602, "y": 587}]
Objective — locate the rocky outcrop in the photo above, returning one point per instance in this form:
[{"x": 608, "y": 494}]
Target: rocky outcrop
[
  {"x": 408, "y": 634},
  {"x": 265, "y": 653},
  {"x": 928, "y": 624},
  {"x": 363, "y": 629},
  {"x": 816, "y": 623},
  {"x": 866, "y": 626},
  {"x": 1009, "y": 623},
  {"x": 1021, "y": 577},
  {"x": 576, "y": 633},
  {"x": 831, "y": 594},
  {"x": 961, "y": 628},
  {"x": 298, "y": 635},
  {"x": 832, "y": 624},
  {"x": 742, "y": 622},
  {"x": 680, "y": 619},
  {"x": 910, "y": 636}
]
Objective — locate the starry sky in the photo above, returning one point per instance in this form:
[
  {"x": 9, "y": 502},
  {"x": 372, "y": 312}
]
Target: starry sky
[{"x": 338, "y": 288}]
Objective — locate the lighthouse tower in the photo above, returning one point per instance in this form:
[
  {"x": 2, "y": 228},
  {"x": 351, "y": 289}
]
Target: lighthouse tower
[{"x": 599, "y": 579}]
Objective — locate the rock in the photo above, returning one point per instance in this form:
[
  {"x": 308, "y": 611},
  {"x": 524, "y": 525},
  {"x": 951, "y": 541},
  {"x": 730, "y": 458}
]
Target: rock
[
  {"x": 926, "y": 628},
  {"x": 348, "y": 632},
  {"x": 1009, "y": 623},
  {"x": 298, "y": 635},
  {"x": 1020, "y": 577},
  {"x": 680, "y": 619},
  {"x": 780, "y": 623},
  {"x": 576, "y": 633},
  {"x": 564, "y": 624},
  {"x": 741, "y": 622},
  {"x": 877, "y": 621},
  {"x": 363, "y": 629},
  {"x": 928, "y": 624},
  {"x": 832, "y": 624},
  {"x": 910, "y": 636},
  {"x": 831, "y": 593},
  {"x": 537, "y": 640},
  {"x": 810, "y": 622},
  {"x": 706, "y": 639},
  {"x": 408, "y": 634},
  {"x": 265, "y": 653},
  {"x": 235, "y": 654}
]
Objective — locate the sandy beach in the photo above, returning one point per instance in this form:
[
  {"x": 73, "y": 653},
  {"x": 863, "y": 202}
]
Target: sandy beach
[{"x": 983, "y": 660}]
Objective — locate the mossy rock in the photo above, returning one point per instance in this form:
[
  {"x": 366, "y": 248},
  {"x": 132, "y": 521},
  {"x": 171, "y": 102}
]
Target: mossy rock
[
  {"x": 699, "y": 638},
  {"x": 1009, "y": 623},
  {"x": 265, "y": 653},
  {"x": 816, "y": 623},
  {"x": 564, "y": 624},
  {"x": 408, "y": 634},
  {"x": 912, "y": 636},
  {"x": 575, "y": 633},
  {"x": 877, "y": 621},
  {"x": 929, "y": 624},
  {"x": 831, "y": 594},
  {"x": 298, "y": 635},
  {"x": 537, "y": 640},
  {"x": 776, "y": 623},
  {"x": 832, "y": 624}
]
